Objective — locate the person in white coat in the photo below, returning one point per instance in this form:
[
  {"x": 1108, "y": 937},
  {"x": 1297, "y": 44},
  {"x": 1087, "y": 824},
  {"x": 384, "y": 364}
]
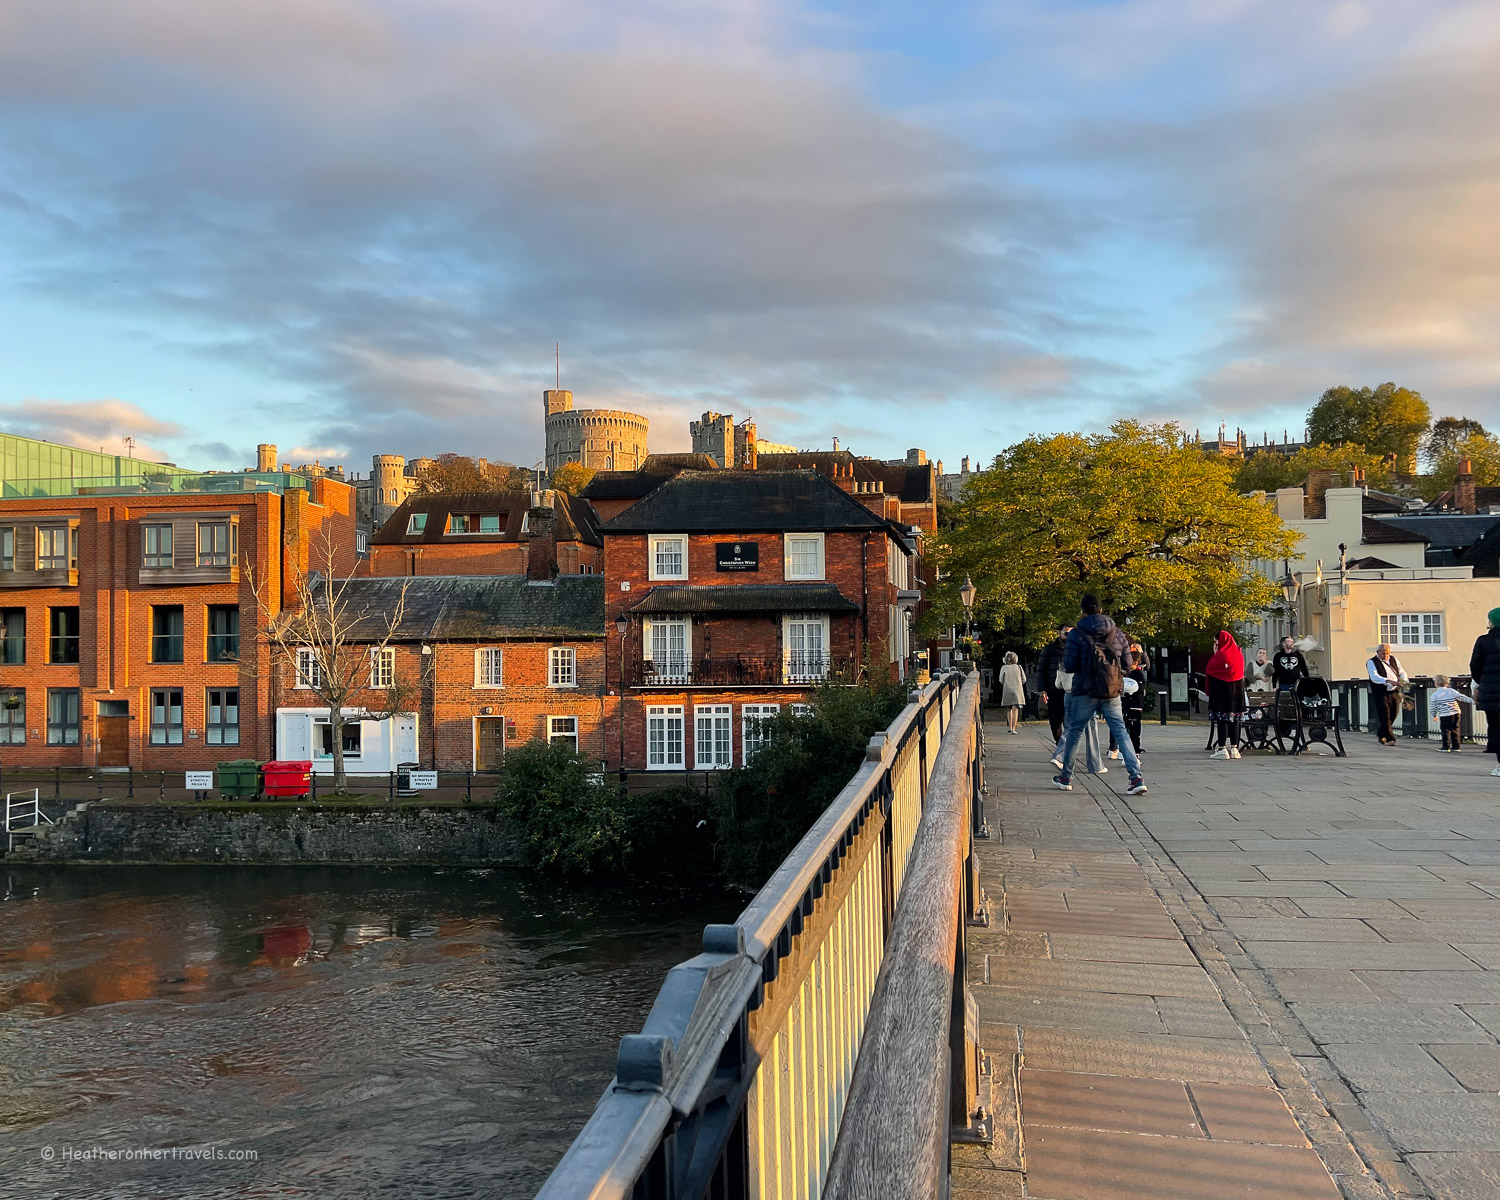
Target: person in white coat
[{"x": 1012, "y": 685}]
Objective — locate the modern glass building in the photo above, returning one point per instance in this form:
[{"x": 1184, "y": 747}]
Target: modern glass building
[{"x": 29, "y": 467}]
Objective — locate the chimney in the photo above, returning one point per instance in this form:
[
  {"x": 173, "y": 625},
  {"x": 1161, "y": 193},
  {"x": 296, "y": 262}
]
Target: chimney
[
  {"x": 843, "y": 476},
  {"x": 835, "y": 443},
  {"x": 265, "y": 457},
  {"x": 1463, "y": 488},
  {"x": 1318, "y": 483},
  {"x": 541, "y": 549}
]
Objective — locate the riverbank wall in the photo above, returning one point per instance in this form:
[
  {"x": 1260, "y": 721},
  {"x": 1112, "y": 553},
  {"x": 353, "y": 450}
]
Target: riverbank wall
[{"x": 446, "y": 835}]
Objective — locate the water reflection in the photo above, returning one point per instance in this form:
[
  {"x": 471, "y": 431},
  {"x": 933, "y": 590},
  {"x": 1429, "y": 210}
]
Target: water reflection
[{"x": 444, "y": 1033}]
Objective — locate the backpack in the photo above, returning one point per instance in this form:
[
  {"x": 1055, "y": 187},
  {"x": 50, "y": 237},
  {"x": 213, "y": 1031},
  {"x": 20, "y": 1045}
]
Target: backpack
[{"x": 1108, "y": 676}]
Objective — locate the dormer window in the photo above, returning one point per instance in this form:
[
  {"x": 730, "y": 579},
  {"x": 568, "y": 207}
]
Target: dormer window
[
  {"x": 475, "y": 522},
  {"x": 417, "y": 523}
]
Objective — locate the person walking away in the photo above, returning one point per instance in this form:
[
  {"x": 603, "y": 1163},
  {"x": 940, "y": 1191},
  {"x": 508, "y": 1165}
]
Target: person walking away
[
  {"x": 1012, "y": 685},
  {"x": 1484, "y": 667},
  {"x": 1047, "y": 667},
  {"x": 1444, "y": 701},
  {"x": 1386, "y": 678},
  {"x": 1226, "y": 693},
  {"x": 1095, "y": 654}
]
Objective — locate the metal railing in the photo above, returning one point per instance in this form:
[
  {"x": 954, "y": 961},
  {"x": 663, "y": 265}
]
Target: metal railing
[
  {"x": 23, "y": 816},
  {"x": 738, "y": 1084},
  {"x": 737, "y": 671}
]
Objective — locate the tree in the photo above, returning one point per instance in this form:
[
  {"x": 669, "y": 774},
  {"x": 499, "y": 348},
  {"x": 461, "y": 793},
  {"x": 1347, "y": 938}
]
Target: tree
[
  {"x": 1138, "y": 516},
  {"x": 1386, "y": 420},
  {"x": 325, "y": 640},
  {"x": 1483, "y": 452},
  {"x": 459, "y": 473},
  {"x": 1446, "y": 434},
  {"x": 572, "y": 477},
  {"x": 1266, "y": 471}
]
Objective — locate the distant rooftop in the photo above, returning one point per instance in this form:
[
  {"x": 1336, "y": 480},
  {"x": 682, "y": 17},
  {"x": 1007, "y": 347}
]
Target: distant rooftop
[
  {"x": 151, "y": 481},
  {"x": 27, "y": 464}
]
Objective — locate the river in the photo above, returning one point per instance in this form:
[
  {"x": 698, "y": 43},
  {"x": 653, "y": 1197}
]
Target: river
[{"x": 338, "y": 1032}]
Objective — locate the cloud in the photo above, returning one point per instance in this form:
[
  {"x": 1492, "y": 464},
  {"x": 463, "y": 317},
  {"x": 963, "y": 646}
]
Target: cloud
[{"x": 91, "y": 425}]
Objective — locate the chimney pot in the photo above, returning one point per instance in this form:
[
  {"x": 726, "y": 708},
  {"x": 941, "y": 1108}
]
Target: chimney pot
[{"x": 541, "y": 549}]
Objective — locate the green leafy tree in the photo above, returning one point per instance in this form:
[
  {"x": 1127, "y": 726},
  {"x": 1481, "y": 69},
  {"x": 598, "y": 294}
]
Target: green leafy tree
[
  {"x": 1267, "y": 470},
  {"x": 1385, "y": 420},
  {"x": 454, "y": 473},
  {"x": 1138, "y": 516},
  {"x": 572, "y": 477},
  {"x": 1483, "y": 452},
  {"x": 1446, "y": 434}
]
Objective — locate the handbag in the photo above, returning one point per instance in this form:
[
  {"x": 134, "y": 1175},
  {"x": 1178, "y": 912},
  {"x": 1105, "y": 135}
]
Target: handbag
[{"x": 1063, "y": 680}]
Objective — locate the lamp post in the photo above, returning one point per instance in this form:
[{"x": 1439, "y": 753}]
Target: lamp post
[
  {"x": 1290, "y": 590},
  {"x": 966, "y": 594},
  {"x": 622, "y": 623}
]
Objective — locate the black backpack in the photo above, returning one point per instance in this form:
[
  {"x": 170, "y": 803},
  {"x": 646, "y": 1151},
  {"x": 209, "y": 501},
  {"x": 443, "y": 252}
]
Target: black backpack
[{"x": 1109, "y": 676}]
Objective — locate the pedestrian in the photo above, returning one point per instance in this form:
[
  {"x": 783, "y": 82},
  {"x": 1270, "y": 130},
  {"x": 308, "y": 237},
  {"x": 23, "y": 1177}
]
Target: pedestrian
[
  {"x": 1095, "y": 654},
  {"x": 1386, "y": 678},
  {"x": 1226, "y": 693},
  {"x": 1012, "y": 684},
  {"x": 1258, "y": 675},
  {"x": 1093, "y": 763},
  {"x": 1046, "y": 669},
  {"x": 1484, "y": 667},
  {"x": 1132, "y": 700},
  {"x": 1445, "y": 701},
  {"x": 1288, "y": 666}
]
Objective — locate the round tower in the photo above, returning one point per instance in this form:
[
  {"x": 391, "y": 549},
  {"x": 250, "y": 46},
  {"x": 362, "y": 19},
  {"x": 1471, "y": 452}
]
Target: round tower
[
  {"x": 604, "y": 439},
  {"x": 265, "y": 457},
  {"x": 388, "y": 477}
]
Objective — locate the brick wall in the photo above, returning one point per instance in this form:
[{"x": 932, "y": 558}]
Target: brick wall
[{"x": 492, "y": 558}]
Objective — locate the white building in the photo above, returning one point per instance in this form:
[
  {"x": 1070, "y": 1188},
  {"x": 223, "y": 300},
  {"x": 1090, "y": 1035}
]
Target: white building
[{"x": 370, "y": 747}]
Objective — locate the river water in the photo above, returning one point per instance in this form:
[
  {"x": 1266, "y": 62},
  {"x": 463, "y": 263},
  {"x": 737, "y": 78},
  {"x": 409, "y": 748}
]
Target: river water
[{"x": 341, "y": 1032}]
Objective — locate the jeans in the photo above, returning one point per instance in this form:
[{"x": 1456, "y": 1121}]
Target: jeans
[
  {"x": 1055, "y": 708},
  {"x": 1449, "y": 726},
  {"x": 1092, "y": 759},
  {"x": 1081, "y": 712}
]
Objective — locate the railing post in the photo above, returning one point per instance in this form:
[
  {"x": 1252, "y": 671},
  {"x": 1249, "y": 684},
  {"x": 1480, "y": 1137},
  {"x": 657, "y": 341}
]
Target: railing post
[
  {"x": 57, "y": 781},
  {"x": 1161, "y": 704},
  {"x": 162, "y": 790},
  {"x": 130, "y": 782},
  {"x": 469, "y": 786}
]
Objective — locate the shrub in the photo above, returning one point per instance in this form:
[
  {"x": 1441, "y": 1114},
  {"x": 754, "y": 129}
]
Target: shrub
[
  {"x": 761, "y": 811},
  {"x": 568, "y": 818}
]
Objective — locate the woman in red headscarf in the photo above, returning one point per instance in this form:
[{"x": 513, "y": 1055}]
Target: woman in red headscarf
[{"x": 1226, "y": 693}]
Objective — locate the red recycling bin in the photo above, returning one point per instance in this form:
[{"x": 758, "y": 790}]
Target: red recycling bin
[{"x": 288, "y": 779}]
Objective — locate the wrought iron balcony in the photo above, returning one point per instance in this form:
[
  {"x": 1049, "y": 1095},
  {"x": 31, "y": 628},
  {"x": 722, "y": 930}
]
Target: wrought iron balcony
[{"x": 794, "y": 669}]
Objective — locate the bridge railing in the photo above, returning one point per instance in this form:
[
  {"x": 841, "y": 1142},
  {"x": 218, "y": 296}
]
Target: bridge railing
[{"x": 737, "y": 1085}]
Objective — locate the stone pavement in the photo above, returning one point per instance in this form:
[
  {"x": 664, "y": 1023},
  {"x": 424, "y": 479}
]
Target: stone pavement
[{"x": 1270, "y": 978}]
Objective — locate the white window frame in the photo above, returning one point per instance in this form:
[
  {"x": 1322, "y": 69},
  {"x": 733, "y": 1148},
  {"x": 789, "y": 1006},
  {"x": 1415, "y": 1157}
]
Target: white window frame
[
  {"x": 1394, "y": 626},
  {"x": 802, "y": 710},
  {"x": 797, "y": 662},
  {"x": 382, "y": 667},
  {"x": 713, "y": 737},
  {"x": 563, "y": 729},
  {"x": 670, "y": 669},
  {"x": 309, "y": 670},
  {"x": 653, "y": 540},
  {"x": 753, "y": 718},
  {"x": 50, "y": 534},
  {"x": 666, "y": 720},
  {"x": 496, "y": 673},
  {"x": 321, "y": 723},
  {"x": 153, "y": 561},
  {"x": 361, "y": 542},
  {"x": 562, "y": 667},
  {"x": 416, "y": 523},
  {"x": 819, "y": 571},
  {"x": 8, "y": 548}
]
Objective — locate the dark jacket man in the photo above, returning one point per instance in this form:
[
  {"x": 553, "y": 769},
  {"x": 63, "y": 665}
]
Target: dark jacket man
[
  {"x": 1080, "y": 656},
  {"x": 1484, "y": 666},
  {"x": 1051, "y": 659}
]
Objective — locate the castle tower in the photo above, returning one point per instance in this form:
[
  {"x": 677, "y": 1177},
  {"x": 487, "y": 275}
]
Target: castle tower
[
  {"x": 265, "y": 457},
  {"x": 390, "y": 486},
  {"x": 604, "y": 439},
  {"x": 714, "y": 435}
]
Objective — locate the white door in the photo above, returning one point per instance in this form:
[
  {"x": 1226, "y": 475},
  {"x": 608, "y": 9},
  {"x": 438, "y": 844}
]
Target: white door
[
  {"x": 294, "y": 737},
  {"x": 406, "y": 739}
]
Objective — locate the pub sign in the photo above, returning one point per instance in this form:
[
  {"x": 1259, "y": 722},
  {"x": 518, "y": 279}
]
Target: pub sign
[{"x": 737, "y": 556}]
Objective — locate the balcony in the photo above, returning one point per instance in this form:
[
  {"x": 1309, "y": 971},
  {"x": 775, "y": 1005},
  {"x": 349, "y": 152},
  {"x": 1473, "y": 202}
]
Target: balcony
[{"x": 791, "y": 670}]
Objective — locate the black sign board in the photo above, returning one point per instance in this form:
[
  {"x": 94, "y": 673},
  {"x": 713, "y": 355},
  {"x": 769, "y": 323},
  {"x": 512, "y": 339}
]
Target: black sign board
[{"x": 737, "y": 556}]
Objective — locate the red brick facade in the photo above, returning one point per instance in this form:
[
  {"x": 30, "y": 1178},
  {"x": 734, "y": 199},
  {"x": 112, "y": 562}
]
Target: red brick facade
[{"x": 119, "y": 663}]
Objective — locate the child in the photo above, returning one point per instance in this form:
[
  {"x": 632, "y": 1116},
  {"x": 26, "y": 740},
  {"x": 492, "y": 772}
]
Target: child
[{"x": 1445, "y": 701}]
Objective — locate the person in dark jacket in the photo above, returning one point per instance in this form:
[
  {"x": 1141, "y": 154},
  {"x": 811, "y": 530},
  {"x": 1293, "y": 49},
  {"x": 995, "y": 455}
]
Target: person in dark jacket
[
  {"x": 1046, "y": 671},
  {"x": 1386, "y": 677},
  {"x": 1095, "y": 653},
  {"x": 1484, "y": 666},
  {"x": 1132, "y": 700},
  {"x": 1288, "y": 666}
]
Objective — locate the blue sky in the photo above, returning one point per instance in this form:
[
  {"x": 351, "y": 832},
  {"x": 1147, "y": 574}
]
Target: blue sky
[{"x": 350, "y": 226}]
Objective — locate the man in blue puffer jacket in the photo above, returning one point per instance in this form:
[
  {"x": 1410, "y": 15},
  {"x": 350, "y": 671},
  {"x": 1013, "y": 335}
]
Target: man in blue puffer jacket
[{"x": 1096, "y": 654}]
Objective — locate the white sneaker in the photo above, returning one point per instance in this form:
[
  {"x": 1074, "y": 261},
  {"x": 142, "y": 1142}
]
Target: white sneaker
[
  {"x": 1234, "y": 752},
  {"x": 1221, "y": 752},
  {"x": 1103, "y": 770},
  {"x": 1058, "y": 763},
  {"x": 1496, "y": 771}
]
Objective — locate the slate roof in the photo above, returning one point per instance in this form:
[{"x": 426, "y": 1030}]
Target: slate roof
[
  {"x": 746, "y": 598},
  {"x": 1384, "y": 503},
  {"x": 457, "y": 608},
  {"x": 1484, "y": 497},
  {"x": 576, "y": 519},
  {"x": 912, "y": 485},
  {"x": 1382, "y": 533},
  {"x": 1448, "y": 531},
  {"x": 1370, "y": 563},
  {"x": 655, "y": 471},
  {"x": 745, "y": 502}
]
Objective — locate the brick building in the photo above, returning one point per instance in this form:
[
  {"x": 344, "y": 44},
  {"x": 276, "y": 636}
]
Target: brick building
[
  {"x": 486, "y": 533},
  {"x": 911, "y": 481},
  {"x": 490, "y": 661},
  {"x": 730, "y": 594},
  {"x": 122, "y": 608}
]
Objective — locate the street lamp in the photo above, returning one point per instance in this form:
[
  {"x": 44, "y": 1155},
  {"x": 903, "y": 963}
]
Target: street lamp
[
  {"x": 1290, "y": 590},
  {"x": 966, "y": 594},
  {"x": 622, "y": 623}
]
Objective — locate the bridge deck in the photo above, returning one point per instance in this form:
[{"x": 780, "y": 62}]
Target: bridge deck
[{"x": 1156, "y": 1056}]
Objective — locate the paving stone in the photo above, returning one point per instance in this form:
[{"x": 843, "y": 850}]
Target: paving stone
[
  {"x": 1213, "y": 889},
  {"x": 1196, "y": 1016},
  {"x": 1486, "y": 954},
  {"x": 1429, "y": 1121},
  {"x": 1074, "y": 1164},
  {"x": 1059, "y": 1009},
  {"x": 1301, "y": 929},
  {"x": 1097, "y": 923},
  {"x": 1476, "y": 1067},
  {"x": 1339, "y": 1024},
  {"x": 1454, "y": 1176},
  {"x": 1412, "y": 930},
  {"x": 1339, "y": 986},
  {"x": 1102, "y": 948},
  {"x": 1345, "y": 906},
  {"x": 1391, "y": 1066},
  {"x": 1164, "y": 1056},
  {"x": 1373, "y": 956},
  {"x": 1257, "y": 906},
  {"x": 1246, "y": 1114},
  {"x": 1140, "y": 979},
  {"x": 1121, "y": 1103},
  {"x": 1435, "y": 987}
]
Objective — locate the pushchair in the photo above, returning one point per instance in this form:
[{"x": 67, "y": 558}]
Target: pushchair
[
  {"x": 1260, "y": 721},
  {"x": 1307, "y": 715}
]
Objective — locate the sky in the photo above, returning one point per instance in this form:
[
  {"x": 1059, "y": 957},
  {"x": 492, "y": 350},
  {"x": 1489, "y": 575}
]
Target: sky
[{"x": 361, "y": 226}]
